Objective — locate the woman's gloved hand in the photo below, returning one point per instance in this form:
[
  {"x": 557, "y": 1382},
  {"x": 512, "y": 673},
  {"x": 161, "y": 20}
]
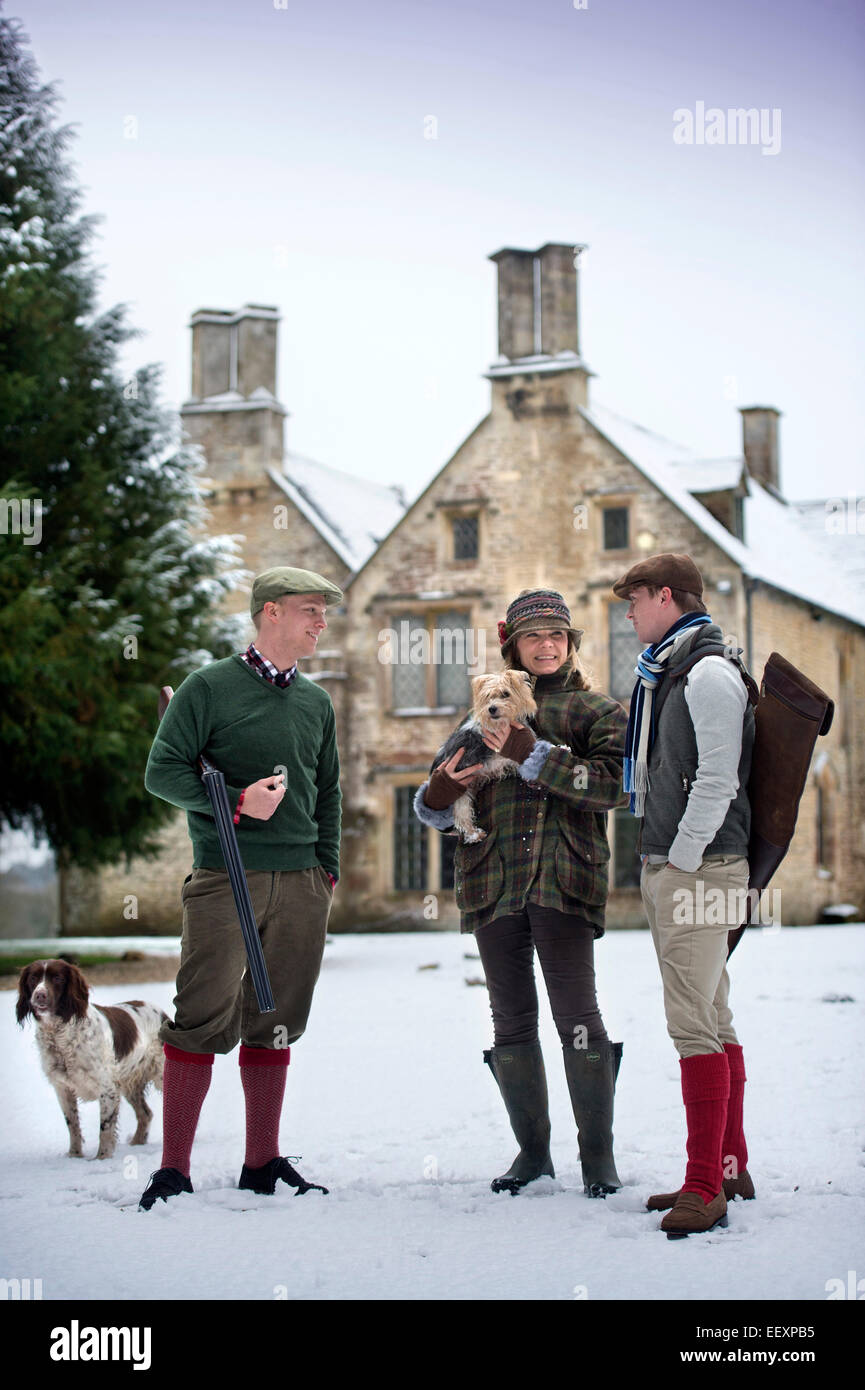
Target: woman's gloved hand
[
  {"x": 518, "y": 744},
  {"x": 446, "y": 785}
]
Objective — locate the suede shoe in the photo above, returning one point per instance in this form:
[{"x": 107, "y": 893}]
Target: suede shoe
[
  {"x": 742, "y": 1186},
  {"x": 164, "y": 1183},
  {"x": 264, "y": 1179},
  {"x": 691, "y": 1215}
]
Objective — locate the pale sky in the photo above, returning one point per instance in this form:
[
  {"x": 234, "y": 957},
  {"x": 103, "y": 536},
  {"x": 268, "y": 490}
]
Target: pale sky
[{"x": 249, "y": 151}]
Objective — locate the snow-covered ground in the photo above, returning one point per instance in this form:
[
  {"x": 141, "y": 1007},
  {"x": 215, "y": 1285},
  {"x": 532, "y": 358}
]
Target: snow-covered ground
[{"x": 390, "y": 1105}]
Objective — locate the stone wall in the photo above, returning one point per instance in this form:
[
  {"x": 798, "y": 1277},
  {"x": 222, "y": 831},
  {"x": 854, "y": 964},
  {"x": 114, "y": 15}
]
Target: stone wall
[{"x": 830, "y": 652}]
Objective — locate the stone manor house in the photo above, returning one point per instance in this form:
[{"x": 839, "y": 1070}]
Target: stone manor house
[{"x": 550, "y": 488}]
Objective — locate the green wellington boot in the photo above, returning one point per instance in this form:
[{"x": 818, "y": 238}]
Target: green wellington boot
[
  {"x": 519, "y": 1073},
  {"x": 591, "y": 1074}
]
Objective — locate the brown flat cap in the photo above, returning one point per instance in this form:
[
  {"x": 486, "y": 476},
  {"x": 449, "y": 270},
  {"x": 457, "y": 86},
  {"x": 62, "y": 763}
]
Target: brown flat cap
[{"x": 662, "y": 571}]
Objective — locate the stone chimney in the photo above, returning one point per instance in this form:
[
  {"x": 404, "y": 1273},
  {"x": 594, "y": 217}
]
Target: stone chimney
[
  {"x": 233, "y": 413},
  {"x": 234, "y": 351},
  {"x": 516, "y": 302},
  {"x": 539, "y": 329},
  {"x": 760, "y": 444}
]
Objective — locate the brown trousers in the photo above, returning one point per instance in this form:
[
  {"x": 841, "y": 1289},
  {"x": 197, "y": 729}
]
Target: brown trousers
[{"x": 215, "y": 1005}]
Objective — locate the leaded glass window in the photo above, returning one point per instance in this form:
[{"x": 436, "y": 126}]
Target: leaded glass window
[
  {"x": 615, "y": 528},
  {"x": 465, "y": 533},
  {"x": 409, "y": 673},
  {"x": 452, "y": 650},
  {"x": 625, "y": 647},
  {"x": 409, "y": 844}
]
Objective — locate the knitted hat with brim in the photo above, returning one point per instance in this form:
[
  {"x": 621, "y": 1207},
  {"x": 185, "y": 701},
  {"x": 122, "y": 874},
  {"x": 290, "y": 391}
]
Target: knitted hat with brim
[
  {"x": 534, "y": 610},
  {"x": 271, "y": 584}
]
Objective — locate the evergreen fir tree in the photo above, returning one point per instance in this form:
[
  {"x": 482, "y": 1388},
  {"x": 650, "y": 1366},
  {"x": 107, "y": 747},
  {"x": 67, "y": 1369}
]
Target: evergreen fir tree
[{"x": 109, "y": 586}]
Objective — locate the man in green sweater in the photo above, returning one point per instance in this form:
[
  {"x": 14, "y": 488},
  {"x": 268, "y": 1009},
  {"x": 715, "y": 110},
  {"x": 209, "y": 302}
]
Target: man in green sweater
[{"x": 271, "y": 732}]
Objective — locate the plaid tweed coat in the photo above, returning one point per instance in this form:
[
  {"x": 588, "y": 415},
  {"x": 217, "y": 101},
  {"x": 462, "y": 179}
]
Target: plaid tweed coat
[{"x": 546, "y": 838}]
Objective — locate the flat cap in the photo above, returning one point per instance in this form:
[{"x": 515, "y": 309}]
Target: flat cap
[
  {"x": 271, "y": 584},
  {"x": 662, "y": 571}
]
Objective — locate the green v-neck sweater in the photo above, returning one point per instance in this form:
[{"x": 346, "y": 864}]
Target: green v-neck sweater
[{"x": 250, "y": 728}]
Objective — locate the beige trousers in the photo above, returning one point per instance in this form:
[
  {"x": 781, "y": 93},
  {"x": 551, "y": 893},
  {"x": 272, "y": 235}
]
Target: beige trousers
[
  {"x": 215, "y": 1005},
  {"x": 689, "y": 917}
]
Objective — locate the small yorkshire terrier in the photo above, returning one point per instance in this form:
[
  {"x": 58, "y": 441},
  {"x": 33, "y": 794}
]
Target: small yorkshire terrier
[{"x": 497, "y": 701}]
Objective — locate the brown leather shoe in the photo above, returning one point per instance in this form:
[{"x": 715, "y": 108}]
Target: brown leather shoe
[
  {"x": 742, "y": 1186},
  {"x": 662, "y": 1201},
  {"x": 691, "y": 1215}
]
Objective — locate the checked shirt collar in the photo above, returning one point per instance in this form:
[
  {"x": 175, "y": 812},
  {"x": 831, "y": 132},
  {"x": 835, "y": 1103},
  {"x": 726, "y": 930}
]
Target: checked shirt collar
[{"x": 266, "y": 669}]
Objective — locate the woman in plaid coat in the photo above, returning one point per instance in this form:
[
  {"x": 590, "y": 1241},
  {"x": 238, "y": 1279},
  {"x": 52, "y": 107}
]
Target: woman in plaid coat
[{"x": 538, "y": 881}]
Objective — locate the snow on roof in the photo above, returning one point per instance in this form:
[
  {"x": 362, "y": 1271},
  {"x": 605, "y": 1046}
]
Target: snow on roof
[
  {"x": 782, "y": 547},
  {"x": 563, "y": 361},
  {"x": 710, "y": 475},
  {"x": 831, "y": 523},
  {"x": 352, "y": 514},
  {"x": 233, "y": 400}
]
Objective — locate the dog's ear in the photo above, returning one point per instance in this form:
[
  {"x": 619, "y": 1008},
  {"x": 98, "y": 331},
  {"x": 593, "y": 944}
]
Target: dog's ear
[
  {"x": 477, "y": 683},
  {"x": 22, "y": 1008},
  {"x": 74, "y": 994}
]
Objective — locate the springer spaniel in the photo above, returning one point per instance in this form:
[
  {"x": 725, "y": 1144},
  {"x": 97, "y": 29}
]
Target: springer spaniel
[{"x": 91, "y": 1051}]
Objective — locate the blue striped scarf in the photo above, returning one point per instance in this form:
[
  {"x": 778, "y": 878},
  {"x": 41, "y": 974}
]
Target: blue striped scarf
[{"x": 641, "y": 725}]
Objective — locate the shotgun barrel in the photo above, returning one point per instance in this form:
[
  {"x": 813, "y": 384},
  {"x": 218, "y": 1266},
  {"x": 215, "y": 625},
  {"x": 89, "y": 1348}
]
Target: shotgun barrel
[{"x": 214, "y": 785}]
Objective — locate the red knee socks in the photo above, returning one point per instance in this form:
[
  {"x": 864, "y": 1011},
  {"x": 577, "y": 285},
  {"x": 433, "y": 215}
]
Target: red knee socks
[
  {"x": 734, "y": 1151},
  {"x": 705, "y": 1091},
  {"x": 262, "y": 1075},
  {"x": 185, "y": 1082}
]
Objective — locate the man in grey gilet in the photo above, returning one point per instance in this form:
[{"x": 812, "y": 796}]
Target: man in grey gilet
[{"x": 688, "y": 758}]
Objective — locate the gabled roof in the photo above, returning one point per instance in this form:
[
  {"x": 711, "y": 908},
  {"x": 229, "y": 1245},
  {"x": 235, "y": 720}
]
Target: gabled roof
[
  {"x": 352, "y": 514},
  {"x": 783, "y": 545},
  {"x": 408, "y": 507}
]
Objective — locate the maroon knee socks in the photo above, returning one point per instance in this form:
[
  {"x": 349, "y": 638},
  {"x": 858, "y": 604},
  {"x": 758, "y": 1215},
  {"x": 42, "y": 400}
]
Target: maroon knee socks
[
  {"x": 185, "y": 1082},
  {"x": 262, "y": 1075}
]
